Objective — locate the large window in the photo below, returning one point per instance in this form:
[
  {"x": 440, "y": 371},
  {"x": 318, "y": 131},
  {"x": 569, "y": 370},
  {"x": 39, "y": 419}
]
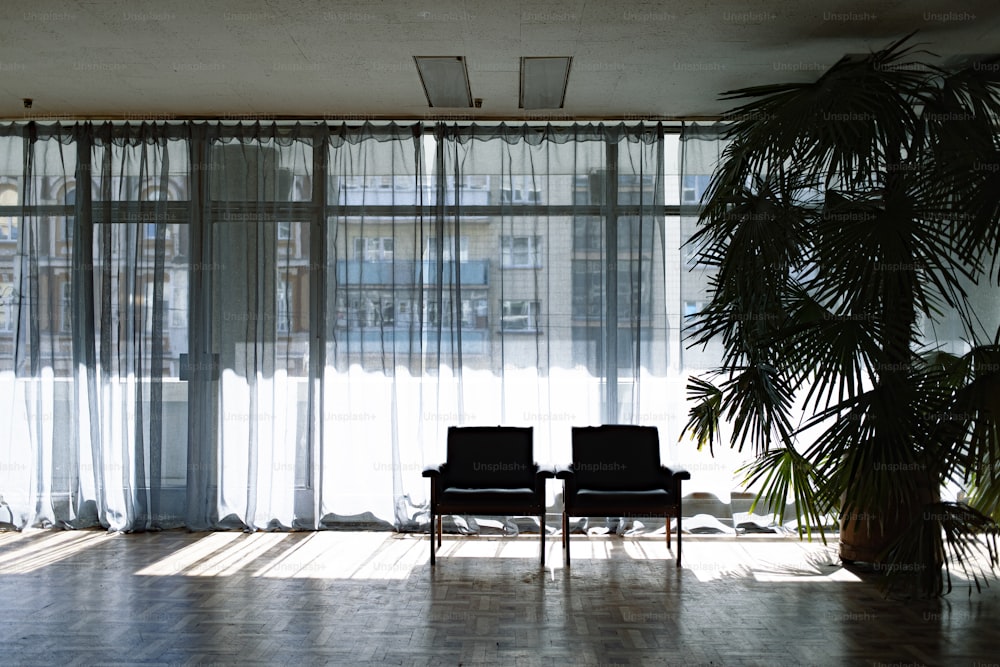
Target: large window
[{"x": 475, "y": 274}]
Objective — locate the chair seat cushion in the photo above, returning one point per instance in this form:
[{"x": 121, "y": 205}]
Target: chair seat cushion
[
  {"x": 648, "y": 498},
  {"x": 489, "y": 497}
]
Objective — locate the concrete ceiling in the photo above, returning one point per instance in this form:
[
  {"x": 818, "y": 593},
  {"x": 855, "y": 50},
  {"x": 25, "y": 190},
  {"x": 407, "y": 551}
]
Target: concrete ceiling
[{"x": 331, "y": 59}]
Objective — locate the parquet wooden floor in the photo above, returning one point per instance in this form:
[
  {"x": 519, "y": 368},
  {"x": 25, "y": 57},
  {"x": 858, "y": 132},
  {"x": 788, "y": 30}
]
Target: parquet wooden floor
[{"x": 178, "y": 598}]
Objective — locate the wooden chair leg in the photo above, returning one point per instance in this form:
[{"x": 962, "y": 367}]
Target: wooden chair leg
[
  {"x": 433, "y": 548},
  {"x": 566, "y": 538},
  {"x": 541, "y": 529},
  {"x": 678, "y": 539},
  {"x": 440, "y": 528},
  {"x": 667, "y": 531}
]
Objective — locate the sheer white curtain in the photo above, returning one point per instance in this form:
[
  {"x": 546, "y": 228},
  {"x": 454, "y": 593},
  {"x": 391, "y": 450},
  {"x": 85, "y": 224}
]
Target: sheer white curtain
[
  {"x": 468, "y": 285},
  {"x": 85, "y": 364},
  {"x": 251, "y": 326},
  {"x": 272, "y": 326}
]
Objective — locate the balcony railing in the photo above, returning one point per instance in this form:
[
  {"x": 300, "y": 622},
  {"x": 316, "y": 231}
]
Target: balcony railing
[
  {"x": 410, "y": 197},
  {"x": 407, "y": 272}
]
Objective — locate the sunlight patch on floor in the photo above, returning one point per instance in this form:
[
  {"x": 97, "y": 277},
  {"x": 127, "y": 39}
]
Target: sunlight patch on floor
[
  {"x": 838, "y": 575},
  {"x": 238, "y": 555},
  {"x": 387, "y": 556},
  {"x": 328, "y": 555},
  {"x": 183, "y": 560},
  {"x": 48, "y": 549}
]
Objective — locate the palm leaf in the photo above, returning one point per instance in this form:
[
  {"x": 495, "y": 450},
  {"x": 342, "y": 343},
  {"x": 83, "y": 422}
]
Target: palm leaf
[
  {"x": 705, "y": 414},
  {"x": 784, "y": 473}
]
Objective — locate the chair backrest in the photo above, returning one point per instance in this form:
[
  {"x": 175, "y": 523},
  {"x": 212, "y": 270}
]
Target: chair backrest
[
  {"x": 616, "y": 456},
  {"x": 491, "y": 456}
]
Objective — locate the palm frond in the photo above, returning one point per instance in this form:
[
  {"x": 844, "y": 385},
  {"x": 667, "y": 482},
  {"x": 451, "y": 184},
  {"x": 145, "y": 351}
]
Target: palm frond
[
  {"x": 784, "y": 473},
  {"x": 705, "y": 414}
]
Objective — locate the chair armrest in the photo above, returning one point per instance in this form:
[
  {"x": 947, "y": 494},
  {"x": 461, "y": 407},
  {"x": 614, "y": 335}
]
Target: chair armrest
[
  {"x": 433, "y": 471},
  {"x": 676, "y": 472},
  {"x": 564, "y": 472}
]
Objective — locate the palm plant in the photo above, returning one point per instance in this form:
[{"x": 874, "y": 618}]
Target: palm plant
[{"x": 847, "y": 218}]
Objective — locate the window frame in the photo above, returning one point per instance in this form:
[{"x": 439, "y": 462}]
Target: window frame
[
  {"x": 508, "y": 252},
  {"x": 532, "y": 317}
]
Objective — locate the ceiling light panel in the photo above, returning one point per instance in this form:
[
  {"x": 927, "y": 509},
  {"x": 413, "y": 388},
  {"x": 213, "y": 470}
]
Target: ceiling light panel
[
  {"x": 543, "y": 82},
  {"x": 445, "y": 80}
]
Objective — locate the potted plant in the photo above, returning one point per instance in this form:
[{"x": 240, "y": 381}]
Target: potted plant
[{"x": 847, "y": 218}]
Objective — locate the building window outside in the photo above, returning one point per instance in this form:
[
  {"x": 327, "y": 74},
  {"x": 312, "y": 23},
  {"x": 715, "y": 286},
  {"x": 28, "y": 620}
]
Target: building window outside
[
  {"x": 373, "y": 308},
  {"x": 521, "y": 251},
  {"x": 404, "y": 312},
  {"x": 65, "y": 306},
  {"x": 634, "y": 290},
  {"x": 588, "y": 289},
  {"x": 520, "y": 196},
  {"x": 284, "y": 231},
  {"x": 474, "y": 310},
  {"x": 8, "y": 299},
  {"x": 282, "y": 309},
  {"x": 155, "y": 309},
  {"x": 692, "y": 308},
  {"x": 447, "y": 249},
  {"x": 693, "y": 187},
  {"x": 8, "y": 223},
  {"x": 475, "y": 313},
  {"x": 588, "y": 234},
  {"x": 178, "y": 300},
  {"x": 66, "y": 228},
  {"x": 476, "y": 182},
  {"x": 373, "y": 248},
  {"x": 520, "y": 315}
]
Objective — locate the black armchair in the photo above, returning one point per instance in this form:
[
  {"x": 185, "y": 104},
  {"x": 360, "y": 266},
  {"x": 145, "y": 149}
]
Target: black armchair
[
  {"x": 490, "y": 471},
  {"x": 616, "y": 471}
]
